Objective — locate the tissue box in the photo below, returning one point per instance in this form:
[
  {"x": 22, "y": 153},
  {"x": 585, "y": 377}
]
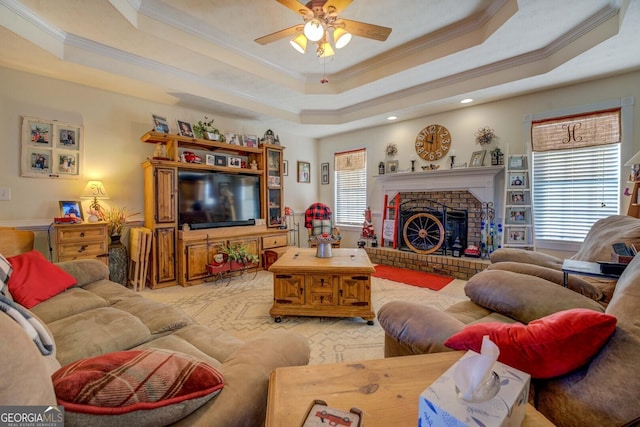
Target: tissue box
[{"x": 440, "y": 405}]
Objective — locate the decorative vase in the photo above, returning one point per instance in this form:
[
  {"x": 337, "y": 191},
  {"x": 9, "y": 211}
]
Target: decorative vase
[{"x": 323, "y": 248}]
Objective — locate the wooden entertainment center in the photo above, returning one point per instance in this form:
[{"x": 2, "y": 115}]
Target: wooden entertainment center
[{"x": 180, "y": 256}]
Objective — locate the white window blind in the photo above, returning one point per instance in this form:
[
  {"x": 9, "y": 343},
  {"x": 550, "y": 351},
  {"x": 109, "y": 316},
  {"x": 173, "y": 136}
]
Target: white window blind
[
  {"x": 351, "y": 186},
  {"x": 577, "y": 179}
]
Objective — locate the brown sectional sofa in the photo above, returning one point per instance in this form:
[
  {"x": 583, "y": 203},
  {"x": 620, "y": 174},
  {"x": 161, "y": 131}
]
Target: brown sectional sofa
[
  {"x": 98, "y": 316},
  {"x": 528, "y": 286}
]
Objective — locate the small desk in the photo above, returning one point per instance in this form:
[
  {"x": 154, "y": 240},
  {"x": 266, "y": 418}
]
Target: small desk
[
  {"x": 584, "y": 268},
  {"x": 386, "y": 390}
]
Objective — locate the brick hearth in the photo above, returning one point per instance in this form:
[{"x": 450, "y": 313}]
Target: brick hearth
[{"x": 459, "y": 268}]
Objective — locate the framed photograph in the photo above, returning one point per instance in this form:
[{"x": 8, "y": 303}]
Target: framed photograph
[
  {"x": 185, "y": 129},
  {"x": 160, "y": 124},
  {"x": 210, "y": 160},
  {"x": 518, "y": 215},
  {"x": 51, "y": 149},
  {"x": 220, "y": 160},
  {"x": 234, "y": 162},
  {"x": 67, "y": 137},
  {"x": 250, "y": 141},
  {"x": 517, "y": 180},
  {"x": 517, "y": 235},
  {"x": 324, "y": 173},
  {"x": 392, "y": 166},
  {"x": 274, "y": 182},
  {"x": 518, "y": 198},
  {"x": 233, "y": 138},
  {"x": 285, "y": 167},
  {"x": 517, "y": 162},
  {"x": 71, "y": 209},
  {"x": 477, "y": 159},
  {"x": 304, "y": 172}
]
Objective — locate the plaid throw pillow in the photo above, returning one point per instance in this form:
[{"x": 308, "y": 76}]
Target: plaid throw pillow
[
  {"x": 321, "y": 226},
  {"x": 5, "y": 272}
]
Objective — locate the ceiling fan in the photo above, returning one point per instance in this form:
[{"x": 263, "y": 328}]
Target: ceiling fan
[{"x": 323, "y": 26}]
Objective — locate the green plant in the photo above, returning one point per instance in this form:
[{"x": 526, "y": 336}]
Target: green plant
[
  {"x": 115, "y": 219},
  {"x": 240, "y": 253},
  {"x": 204, "y": 126}
]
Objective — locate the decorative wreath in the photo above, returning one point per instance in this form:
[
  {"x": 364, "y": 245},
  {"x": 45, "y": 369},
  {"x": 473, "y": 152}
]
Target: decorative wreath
[
  {"x": 392, "y": 149},
  {"x": 485, "y": 136}
]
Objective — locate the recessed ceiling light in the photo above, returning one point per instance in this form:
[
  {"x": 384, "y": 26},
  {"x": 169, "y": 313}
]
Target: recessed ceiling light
[
  {"x": 466, "y": 101},
  {"x": 391, "y": 118}
]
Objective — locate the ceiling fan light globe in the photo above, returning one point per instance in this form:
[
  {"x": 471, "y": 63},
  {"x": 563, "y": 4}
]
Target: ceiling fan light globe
[
  {"x": 325, "y": 50},
  {"x": 299, "y": 43},
  {"x": 341, "y": 37},
  {"x": 314, "y": 29}
]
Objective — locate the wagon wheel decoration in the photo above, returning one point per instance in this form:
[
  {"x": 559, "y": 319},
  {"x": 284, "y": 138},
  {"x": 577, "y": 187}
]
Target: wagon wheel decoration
[{"x": 423, "y": 233}]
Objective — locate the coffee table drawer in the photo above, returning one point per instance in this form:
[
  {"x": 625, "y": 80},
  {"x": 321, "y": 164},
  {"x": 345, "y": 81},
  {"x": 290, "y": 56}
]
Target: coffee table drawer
[
  {"x": 321, "y": 298},
  {"x": 320, "y": 282}
]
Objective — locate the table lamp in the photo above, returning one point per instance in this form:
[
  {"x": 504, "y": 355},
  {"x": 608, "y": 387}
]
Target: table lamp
[{"x": 94, "y": 190}]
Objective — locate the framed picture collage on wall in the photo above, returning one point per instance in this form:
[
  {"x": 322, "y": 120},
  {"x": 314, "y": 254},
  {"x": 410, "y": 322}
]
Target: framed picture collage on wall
[{"x": 518, "y": 209}]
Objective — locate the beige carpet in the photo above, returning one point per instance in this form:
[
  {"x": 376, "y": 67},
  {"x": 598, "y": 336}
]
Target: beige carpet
[{"x": 241, "y": 308}]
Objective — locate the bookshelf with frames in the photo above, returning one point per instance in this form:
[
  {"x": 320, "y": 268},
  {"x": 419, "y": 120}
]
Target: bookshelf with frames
[{"x": 518, "y": 215}]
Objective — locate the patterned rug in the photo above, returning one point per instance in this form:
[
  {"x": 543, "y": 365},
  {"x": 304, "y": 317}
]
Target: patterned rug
[{"x": 241, "y": 308}]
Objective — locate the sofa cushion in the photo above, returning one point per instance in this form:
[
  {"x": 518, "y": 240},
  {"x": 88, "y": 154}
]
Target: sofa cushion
[
  {"x": 73, "y": 301},
  {"x": 98, "y": 331},
  {"x": 156, "y": 316},
  {"x": 523, "y": 297},
  {"x": 34, "y": 279},
  {"x": 545, "y": 348},
  {"x": 136, "y": 388}
]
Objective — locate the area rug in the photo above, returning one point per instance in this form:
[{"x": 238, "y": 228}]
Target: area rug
[
  {"x": 412, "y": 277},
  {"x": 241, "y": 308}
]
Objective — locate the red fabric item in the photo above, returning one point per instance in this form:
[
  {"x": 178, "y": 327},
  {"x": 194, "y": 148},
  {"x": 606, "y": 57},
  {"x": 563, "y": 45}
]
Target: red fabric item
[
  {"x": 548, "y": 347},
  {"x": 34, "y": 279},
  {"x": 126, "y": 381},
  {"x": 316, "y": 211},
  {"x": 412, "y": 277}
]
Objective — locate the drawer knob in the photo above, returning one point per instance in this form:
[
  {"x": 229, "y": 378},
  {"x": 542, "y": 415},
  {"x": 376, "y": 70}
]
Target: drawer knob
[
  {"x": 82, "y": 248},
  {"x": 82, "y": 234}
]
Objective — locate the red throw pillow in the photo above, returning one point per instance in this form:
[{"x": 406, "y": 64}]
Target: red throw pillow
[
  {"x": 135, "y": 387},
  {"x": 548, "y": 347},
  {"x": 34, "y": 279}
]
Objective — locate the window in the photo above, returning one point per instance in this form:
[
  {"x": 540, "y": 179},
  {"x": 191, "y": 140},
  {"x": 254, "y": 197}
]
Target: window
[
  {"x": 576, "y": 173},
  {"x": 351, "y": 186}
]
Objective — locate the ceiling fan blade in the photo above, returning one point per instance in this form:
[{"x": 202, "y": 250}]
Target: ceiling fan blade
[
  {"x": 362, "y": 29},
  {"x": 336, "y": 6},
  {"x": 296, "y": 6},
  {"x": 287, "y": 32}
]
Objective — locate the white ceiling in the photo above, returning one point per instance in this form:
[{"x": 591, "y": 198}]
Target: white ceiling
[{"x": 201, "y": 54}]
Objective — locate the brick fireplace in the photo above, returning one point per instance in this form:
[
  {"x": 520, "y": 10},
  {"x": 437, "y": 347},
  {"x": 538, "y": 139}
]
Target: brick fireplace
[{"x": 458, "y": 190}]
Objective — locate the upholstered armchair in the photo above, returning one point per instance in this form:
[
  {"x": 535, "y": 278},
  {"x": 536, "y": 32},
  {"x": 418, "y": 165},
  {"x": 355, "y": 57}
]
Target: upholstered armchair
[{"x": 317, "y": 221}]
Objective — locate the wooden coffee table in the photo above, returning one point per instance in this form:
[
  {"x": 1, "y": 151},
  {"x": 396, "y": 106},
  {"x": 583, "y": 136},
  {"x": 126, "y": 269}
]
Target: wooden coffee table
[
  {"x": 305, "y": 285},
  {"x": 386, "y": 390}
]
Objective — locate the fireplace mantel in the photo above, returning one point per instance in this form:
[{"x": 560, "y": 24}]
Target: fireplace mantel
[{"x": 481, "y": 181}]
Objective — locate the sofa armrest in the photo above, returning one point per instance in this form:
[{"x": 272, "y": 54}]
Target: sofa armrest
[
  {"x": 85, "y": 270},
  {"x": 527, "y": 257},
  {"x": 417, "y": 328}
]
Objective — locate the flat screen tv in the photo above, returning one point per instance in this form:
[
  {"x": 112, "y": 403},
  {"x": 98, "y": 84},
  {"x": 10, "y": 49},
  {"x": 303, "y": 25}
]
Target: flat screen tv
[{"x": 210, "y": 199}]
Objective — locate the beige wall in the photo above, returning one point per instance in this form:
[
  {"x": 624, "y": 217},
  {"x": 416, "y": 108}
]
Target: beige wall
[
  {"x": 113, "y": 124},
  {"x": 505, "y": 117}
]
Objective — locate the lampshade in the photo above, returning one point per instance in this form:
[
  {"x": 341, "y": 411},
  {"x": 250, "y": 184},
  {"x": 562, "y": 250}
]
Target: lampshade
[
  {"x": 299, "y": 43},
  {"x": 325, "y": 50},
  {"x": 314, "y": 29},
  {"x": 94, "y": 190},
  {"x": 341, "y": 37},
  {"x": 635, "y": 160}
]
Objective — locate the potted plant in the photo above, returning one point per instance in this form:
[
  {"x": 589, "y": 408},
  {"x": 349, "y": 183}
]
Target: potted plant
[
  {"x": 239, "y": 256},
  {"x": 115, "y": 218},
  {"x": 205, "y": 129}
]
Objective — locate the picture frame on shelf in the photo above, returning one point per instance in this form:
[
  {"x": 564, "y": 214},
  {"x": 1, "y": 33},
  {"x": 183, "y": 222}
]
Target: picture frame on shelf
[
  {"x": 392, "y": 166},
  {"x": 234, "y": 162},
  {"x": 285, "y": 167},
  {"x": 210, "y": 160},
  {"x": 220, "y": 160},
  {"x": 518, "y": 215},
  {"x": 160, "y": 124},
  {"x": 71, "y": 209},
  {"x": 250, "y": 141},
  {"x": 477, "y": 158},
  {"x": 233, "y": 138},
  {"x": 304, "y": 172},
  {"x": 517, "y": 197},
  {"x": 517, "y": 180},
  {"x": 517, "y": 235},
  {"x": 517, "y": 162},
  {"x": 324, "y": 173},
  {"x": 185, "y": 129}
]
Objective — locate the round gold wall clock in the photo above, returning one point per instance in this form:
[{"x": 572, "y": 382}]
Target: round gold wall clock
[{"x": 433, "y": 142}]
